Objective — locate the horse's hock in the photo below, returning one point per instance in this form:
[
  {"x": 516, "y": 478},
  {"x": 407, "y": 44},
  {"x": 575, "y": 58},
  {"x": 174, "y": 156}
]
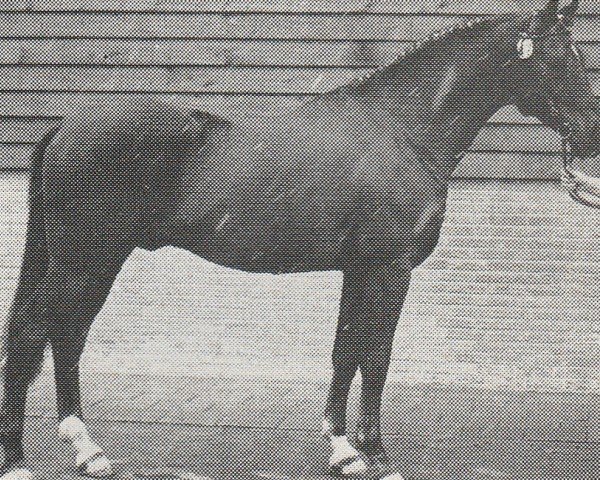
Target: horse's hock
[{"x": 509, "y": 297}]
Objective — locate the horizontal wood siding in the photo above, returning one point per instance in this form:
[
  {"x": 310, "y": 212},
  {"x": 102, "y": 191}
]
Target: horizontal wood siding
[
  {"x": 247, "y": 58},
  {"x": 509, "y": 298}
]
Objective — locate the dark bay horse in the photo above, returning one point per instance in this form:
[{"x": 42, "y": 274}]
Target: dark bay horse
[{"x": 353, "y": 180}]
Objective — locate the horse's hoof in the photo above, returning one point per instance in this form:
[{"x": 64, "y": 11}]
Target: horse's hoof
[
  {"x": 379, "y": 461},
  {"x": 350, "y": 467},
  {"x": 18, "y": 474},
  {"x": 346, "y": 461},
  {"x": 98, "y": 466},
  {"x": 393, "y": 476}
]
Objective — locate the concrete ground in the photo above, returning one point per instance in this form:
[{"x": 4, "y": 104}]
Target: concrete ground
[{"x": 189, "y": 428}]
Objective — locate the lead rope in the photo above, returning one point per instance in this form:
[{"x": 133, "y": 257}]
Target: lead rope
[{"x": 567, "y": 158}]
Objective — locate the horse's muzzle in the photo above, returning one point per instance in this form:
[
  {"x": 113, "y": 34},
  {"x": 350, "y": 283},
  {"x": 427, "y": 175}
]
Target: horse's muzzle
[{"x": 585, "y": 141}]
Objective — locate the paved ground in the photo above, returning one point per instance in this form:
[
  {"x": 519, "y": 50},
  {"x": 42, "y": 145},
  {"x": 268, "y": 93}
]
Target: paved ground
[{"x": 253, "y": 429}]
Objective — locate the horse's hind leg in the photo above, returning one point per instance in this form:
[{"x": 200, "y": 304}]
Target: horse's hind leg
[
  {"x": 24, "y": 355},
  {"x": 23, "y": 363},
  {"x": 83, "y": 288},
  {"x": 91, "y": 224},
  {"x": 61, "y": 311}
]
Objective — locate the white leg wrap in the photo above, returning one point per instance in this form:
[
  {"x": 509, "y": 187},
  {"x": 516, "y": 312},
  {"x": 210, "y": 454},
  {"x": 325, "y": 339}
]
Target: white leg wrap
[
  {"x": 89, "y": 455},
  {"x": 342, "y": 452},
  {"x": 393, "y": 476},
  {"x": 18, "y": 474}
]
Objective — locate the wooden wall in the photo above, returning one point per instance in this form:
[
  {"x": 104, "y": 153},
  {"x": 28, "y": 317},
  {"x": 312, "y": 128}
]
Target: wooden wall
[
  {"x": 509, "y": 299},
  {"x": 237, "y": 57}
]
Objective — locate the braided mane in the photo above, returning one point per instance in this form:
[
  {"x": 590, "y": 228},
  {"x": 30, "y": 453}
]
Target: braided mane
[{"x": 420, "y": 45}]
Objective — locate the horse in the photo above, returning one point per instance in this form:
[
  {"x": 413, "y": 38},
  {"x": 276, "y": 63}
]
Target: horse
[{"x": 353, "y": 180}]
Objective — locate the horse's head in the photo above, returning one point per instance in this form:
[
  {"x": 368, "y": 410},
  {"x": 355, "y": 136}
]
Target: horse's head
[{"x": 550, "y": 81}]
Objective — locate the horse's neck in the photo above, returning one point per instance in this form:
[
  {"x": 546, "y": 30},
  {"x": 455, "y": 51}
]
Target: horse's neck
[{"x": 435, "y": 101}]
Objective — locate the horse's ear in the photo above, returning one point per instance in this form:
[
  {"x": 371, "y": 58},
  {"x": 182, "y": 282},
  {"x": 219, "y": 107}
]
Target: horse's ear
[
  {"x": 551, "y": 7},
  {"x": 545, "y": 18},
  {"x": 568, "y": 11}
]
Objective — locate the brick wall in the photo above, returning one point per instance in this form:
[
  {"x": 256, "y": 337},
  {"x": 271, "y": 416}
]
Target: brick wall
[{"x": 508, "y": 300}]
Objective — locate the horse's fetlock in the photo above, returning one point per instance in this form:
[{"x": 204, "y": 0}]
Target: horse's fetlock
[
  {"x": 342, "y": 450},
  {"x": 72, "y": 429},
  {"x": 368, "y": 435}
]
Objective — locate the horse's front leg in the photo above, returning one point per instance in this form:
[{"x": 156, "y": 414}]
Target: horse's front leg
[
  {"x": 384, "y": 293},
  {"x": 369, "y": 312},
  {"x": 345, "y": 459}
]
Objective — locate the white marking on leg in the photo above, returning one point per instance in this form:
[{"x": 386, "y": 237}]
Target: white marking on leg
[
  {"x": 88, "y": 454},
  {"x": 343, "y": 451},
  {"x": 393, "y": 476},
  {"x": 18, "y": 474}
]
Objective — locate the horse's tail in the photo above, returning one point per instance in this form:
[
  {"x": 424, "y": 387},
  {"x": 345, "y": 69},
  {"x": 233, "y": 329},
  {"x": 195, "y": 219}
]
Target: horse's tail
[{"x": 35, "y": 257}]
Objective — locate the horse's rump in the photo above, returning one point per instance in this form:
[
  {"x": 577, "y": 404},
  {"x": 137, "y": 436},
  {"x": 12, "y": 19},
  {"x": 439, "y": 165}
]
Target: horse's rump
[{"x": 134, "y": 154}]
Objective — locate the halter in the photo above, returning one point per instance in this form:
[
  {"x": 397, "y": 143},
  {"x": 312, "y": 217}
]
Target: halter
[{"x": 525, "y": 48}]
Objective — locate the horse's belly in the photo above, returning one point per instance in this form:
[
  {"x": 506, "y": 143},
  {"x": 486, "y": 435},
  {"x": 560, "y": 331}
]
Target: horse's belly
[
  {"x": 254, "y": 246},
  {"x": 274, "y": 261},
  {"x": 261, "y": 235}
]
